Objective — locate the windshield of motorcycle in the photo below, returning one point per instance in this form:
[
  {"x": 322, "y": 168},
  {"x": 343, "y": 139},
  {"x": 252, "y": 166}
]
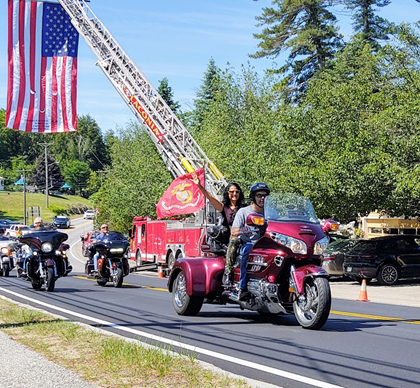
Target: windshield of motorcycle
[
  {"x": 115, "y": 236},
  {"x": 287, "y": 207}
]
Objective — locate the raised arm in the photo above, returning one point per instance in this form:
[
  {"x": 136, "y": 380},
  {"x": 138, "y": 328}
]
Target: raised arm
[{"x": 214, "y": 201}]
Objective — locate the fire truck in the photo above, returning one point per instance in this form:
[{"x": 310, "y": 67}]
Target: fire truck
[
  {"x": 162, "y": 242},
  {"x": 157, "y": 242}
]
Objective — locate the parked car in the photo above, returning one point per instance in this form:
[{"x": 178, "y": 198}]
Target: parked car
[
  {"x": 4, "y": 223},
  {"x": 89, "y": 214},
  {"x": 62, "y": 222},
  {"x": 387, "y": 259},
  {"x": 12, "y": 230},
  {"x": 333, "y": 256}
]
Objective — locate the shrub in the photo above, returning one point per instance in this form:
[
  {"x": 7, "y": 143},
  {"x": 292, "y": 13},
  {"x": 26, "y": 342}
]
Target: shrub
[{"x": 58, "y": 210}]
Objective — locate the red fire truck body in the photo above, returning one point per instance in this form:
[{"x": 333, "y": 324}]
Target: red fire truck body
[{"x": 162, "y": 242}]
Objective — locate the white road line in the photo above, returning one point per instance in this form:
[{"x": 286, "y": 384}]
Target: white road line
[{"x": 234, "y": 360}]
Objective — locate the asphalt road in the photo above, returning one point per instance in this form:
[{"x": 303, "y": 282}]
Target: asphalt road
[{"x": 363, "y": 344}]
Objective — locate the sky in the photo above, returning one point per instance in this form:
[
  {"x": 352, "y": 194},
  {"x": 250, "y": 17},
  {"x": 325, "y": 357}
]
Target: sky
[{"x": 176, "y": 40}]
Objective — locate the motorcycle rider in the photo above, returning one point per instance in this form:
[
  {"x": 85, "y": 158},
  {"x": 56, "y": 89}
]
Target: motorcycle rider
[
  {"x": 102, "y": 236},
  {"x": 39, "y": 225},
  {"x": 233, "y": 200},
  {"x": 249, "y": 236}
]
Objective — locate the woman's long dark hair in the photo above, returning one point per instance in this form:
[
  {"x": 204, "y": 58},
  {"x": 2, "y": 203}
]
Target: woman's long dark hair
[{"x": 226, "y": 199}]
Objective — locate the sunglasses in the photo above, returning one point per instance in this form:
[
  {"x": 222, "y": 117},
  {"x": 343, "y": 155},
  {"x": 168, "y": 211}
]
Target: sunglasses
[
  {"x": 104, "y": 227},
  {"x": 234, "y": 191},
  {"x": 261, "y": 196}
]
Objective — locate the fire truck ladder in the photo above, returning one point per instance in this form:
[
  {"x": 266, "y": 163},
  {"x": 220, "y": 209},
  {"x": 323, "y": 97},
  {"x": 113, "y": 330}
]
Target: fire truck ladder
[{"x": 178, "y": 149}]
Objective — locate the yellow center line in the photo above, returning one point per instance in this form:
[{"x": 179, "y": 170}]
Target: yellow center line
[{"x": 377, "y": 317}]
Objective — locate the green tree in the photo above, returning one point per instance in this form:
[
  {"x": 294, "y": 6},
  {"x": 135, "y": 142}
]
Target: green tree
[
  {"x": 353, "y": 143},
  {"x": 239, "y": 129},
  {"x": 304, "y": 28},
  {"x": 77, "y": 175},
  {"x": 167, "y": 94},
  {"x": 372, "y": 27},
  {"x": 206, "y": 94},
  {"x": 55, "y": 178},
  {"x": 86, "y": 145}
]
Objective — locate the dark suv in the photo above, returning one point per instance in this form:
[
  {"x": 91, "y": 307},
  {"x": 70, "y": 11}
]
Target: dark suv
[{"x": 385, "y": 258}]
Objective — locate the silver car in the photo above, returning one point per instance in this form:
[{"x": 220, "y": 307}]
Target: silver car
[{"x": 89, "y": 214}]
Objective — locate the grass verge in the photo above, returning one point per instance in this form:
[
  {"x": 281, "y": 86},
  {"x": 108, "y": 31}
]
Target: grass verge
[{"x": 104, "y": 360}]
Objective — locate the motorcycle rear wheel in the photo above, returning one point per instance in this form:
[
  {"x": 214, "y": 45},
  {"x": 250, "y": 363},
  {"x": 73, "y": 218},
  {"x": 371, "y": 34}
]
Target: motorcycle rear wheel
[
  {"x": 117, "y": 278},
  {"x": 50, "y": 283},
  {"x": 313, "y": 312},
  {"x": 185, "y": 304},
  {"x": 6, "y": 270},
  {"x": 102, "y": 282}
]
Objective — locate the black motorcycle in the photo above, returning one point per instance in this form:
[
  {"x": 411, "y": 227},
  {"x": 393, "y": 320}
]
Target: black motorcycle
[
  {"x": 44, "y": 261},
  {"x": 112, "y": 264},
  {"x": 7, "y": 255}
]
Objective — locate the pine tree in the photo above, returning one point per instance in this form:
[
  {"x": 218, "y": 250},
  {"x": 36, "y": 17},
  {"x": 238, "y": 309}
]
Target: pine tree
[
  {"x": 167, "y": 94},
  {"x": 371, "y": 27},
  {"x": 206, "y": 94},
  {"x": 55, "y": 178},
  {"x": 306, "y": 29}
]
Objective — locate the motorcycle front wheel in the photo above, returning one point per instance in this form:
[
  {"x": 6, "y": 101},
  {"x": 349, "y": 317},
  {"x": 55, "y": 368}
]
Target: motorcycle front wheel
[
  {"x": 312, "y": 311},
  {"x": 50, "y": 283},
  {"x": 102, "y": 282},
  {"x": 36, "y": 284},
  {"x": 185, "y": 304},
  {"x": 117, "y": 277}
]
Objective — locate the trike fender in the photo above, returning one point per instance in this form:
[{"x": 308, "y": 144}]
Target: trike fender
[
  {"x": 203, "y": 275},
  {"x": 301, "y": 273}
]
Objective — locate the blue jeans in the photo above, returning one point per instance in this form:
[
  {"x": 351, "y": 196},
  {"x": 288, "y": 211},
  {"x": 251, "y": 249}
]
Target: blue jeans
[
  {"x": 243, "y": 280},
  {"x": 95, "y": 261}
]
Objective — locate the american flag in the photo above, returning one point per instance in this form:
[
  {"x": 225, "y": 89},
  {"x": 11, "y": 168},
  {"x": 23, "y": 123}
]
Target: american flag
[{"x": 42, "y": 72}]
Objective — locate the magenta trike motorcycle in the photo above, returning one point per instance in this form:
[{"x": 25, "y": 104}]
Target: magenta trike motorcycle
[{"x": 284, "y": 267}]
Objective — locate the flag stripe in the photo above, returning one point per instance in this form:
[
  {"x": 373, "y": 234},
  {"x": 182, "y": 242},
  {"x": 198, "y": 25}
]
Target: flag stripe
[
  {"x": 42, "y": 68},
  {"x": 32, "y": 64},
  {"x": 10, "y": 58}
]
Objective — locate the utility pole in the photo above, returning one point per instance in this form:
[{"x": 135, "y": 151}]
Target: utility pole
[
  {"x": 46, "y": 172},
  {"x": 23, "y": 177}
]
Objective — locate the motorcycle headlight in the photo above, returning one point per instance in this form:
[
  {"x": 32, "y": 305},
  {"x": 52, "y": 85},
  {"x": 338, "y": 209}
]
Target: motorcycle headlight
[
  {"x": 295, "y": 245},
  {"x": 117, "y": 250},
  {"x": 5, "y": 251},
  {"x": 320, "y": 246},
  {"x": 46, "y": 247}
]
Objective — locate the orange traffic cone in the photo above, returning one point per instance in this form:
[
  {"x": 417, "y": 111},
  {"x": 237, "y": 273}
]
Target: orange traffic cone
[
  {"x": 363, "y": 293},
  {"x": 160, "y": 272}
]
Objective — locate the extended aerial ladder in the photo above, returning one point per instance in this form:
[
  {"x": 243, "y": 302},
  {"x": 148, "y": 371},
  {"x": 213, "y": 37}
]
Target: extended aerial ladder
[{"x": 178, "y": 149}]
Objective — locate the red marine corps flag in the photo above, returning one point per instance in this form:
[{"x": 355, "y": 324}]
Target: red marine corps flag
[
  {"x": 42, "y": 68},
  {"x": 181, "y": 197}
]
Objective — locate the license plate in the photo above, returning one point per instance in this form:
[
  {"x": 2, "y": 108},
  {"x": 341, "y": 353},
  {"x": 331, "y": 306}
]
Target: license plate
[{"x": 349, "y": 269}]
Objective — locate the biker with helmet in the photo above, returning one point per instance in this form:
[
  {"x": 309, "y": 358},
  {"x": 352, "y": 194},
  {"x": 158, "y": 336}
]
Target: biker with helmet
[{"x": 258, "y": 192}]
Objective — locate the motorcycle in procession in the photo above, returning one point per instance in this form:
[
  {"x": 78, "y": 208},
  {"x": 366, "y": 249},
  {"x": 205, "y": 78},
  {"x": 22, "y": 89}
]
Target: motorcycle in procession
[
  {"x": 284, "y": 267},
  {"x": 7, "y": 255},
  {"x": 112, "y": 262},
  {"x": 44, "y": 258}
]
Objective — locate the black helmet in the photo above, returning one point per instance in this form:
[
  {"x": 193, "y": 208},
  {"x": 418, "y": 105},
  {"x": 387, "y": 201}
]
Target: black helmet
[{"x": 259, "y": 186}]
